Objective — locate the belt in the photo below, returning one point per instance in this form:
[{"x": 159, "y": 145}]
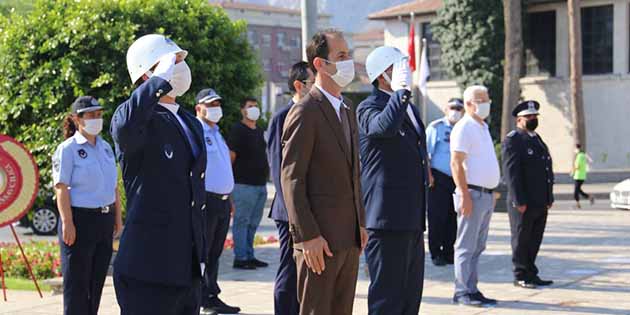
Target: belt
[
  {"x": 480, "y": 189},
  {"x": 104, "y": 209},
  {"x": 218, "y": 196}
]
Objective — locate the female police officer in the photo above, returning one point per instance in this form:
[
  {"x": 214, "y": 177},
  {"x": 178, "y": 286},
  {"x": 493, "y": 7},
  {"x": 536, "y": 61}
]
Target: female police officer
[{"x": 84, "y": 178}]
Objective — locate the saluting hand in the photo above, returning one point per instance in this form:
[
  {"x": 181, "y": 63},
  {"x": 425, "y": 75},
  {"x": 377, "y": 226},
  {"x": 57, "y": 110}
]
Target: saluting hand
[
  {"x": 69, "y": 233},
  {"x": 314, "y": 254}
]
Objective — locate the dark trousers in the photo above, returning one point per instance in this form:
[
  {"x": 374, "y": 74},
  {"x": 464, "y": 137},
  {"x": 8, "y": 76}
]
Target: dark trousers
[
  {"x": 84, "y": 265},
  {"x": 332, "y": 292},
  {"x": 396, "y": 266},
  {"x": 285, "y": 289},
  {"x": 577, "y": 190},
  {"x": 442, "y": 216},
  {"x": 527, "y": 233},
  {"x": 137, "y": 297},
  {"x": 218, "y": 217}
]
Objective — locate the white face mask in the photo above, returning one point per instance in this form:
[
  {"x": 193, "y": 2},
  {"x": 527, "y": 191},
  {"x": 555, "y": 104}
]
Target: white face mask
[
  {"x": 253, "y": 113},
  {"x": 454, "y": 115},
  {"x": 483, "y": 110},
  {"x": 345, "y": 72},
  {"x": 214, "y": 114},
  {"x": 93, "y": 126},
  {"x": 181, "y": 80}
]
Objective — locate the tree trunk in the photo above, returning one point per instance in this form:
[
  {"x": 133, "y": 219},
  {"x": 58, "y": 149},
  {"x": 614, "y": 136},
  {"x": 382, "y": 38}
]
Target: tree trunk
[
  {"x": 575, "y": 59},
  {"x": 513, "y": 61}
]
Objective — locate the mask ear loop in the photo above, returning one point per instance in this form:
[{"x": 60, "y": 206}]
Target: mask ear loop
[{"x": 387, "y": 78}]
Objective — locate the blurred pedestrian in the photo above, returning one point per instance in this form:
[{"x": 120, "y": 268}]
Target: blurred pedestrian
[
  {"x": 251, "y": 170},
  {"x": 580, "y": 170}
]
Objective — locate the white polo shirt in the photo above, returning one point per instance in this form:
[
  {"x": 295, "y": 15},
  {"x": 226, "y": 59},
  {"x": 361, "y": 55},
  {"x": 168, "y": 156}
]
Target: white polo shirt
[{"x": 481, "y": 165}]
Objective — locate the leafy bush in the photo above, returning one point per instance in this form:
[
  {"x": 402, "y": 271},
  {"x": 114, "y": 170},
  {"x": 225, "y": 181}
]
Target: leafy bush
[
  {"x": 63, "y": 49},
  {"x": 44, "y": 258}
]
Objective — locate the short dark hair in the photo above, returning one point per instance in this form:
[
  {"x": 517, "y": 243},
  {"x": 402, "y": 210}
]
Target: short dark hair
[
  {"x": 247, "y": 100},
  {"x": 375, "y": 83},
  {"x": 318, "y": 47},
  {"x": 298, "y": 72}
]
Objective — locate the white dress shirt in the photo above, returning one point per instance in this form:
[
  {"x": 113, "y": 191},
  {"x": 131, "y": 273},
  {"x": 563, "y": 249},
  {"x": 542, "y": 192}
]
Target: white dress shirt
[{"x": 336, "y": 102}]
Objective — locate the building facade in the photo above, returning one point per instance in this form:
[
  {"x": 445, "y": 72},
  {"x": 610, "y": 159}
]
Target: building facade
[{"x": 606, "y": 67}]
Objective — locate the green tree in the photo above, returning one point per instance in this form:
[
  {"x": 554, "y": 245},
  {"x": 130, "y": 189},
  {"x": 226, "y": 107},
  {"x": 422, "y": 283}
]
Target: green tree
[
  {"x": 63, "y": 49},
  {"x": 471, "y": 34}
]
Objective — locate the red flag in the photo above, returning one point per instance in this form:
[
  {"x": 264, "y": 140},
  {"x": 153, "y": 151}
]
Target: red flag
[{"x": 411, "y": 48}]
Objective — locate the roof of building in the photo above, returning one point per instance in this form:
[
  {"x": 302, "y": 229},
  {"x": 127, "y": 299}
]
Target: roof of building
[
  {"x": 423, "y": 7},
  {"x": 257, "y": 7},
  {"x": 373, "y": 34}
]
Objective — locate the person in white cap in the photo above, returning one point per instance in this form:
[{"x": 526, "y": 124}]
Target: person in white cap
[
  {"x": 394, "y": 179},
  {"x": 160, "y": 147}
]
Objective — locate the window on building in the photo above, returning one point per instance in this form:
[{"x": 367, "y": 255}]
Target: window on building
[
  {"x": 266, "y": 40},
  {"x": 280, "y": 38},
  {"x": 252, "y": 38},
  {"x": 266, "y": 65},
  {"x": 597, "y": 39},
  {"x": 540, "y": 44},
  {"x": 296, "y": 41},
  {"x": 433, "y": 54}
]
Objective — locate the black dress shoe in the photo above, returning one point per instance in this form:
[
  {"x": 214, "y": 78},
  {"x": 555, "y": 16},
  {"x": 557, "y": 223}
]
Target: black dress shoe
[
  {"x": 484, "y": 300},
  {"x": 439, "y": 261},
  {"x": 526, "y": 284},
  {"x": 207, "y": 311},
  {"x": 258, "y": 263},
  {"x": 220, "y": 307},
  {"x": 466, "y": 300},
  {"x": 541, "y": 282},
  {"x": 243, "y": 264}
]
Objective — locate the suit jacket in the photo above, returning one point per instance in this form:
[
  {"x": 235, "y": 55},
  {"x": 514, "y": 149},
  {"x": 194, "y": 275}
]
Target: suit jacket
[
  {"x": 278, "y": 210},
  {"x": 394, "y": 172},
  {"x": 320, "y": 174},
  {"x": 163, "y": 240},
  {"x": 528, "y": 171}
]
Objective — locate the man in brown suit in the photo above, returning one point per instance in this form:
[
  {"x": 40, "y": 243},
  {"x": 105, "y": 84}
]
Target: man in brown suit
[{"x": 320, "y": 181}]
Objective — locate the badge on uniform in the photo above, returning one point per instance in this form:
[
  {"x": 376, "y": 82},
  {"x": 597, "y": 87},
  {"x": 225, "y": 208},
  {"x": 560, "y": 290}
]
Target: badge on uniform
[
  {"x": 82, "y": 154},
  {"x": 530, "y": 151},
  {"x": 209, "y": 140},
  {"x": 168, "y": 151}
]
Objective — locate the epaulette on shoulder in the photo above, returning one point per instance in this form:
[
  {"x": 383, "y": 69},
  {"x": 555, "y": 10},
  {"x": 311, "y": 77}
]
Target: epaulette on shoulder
[
  {"x": 435, "y": 123},
  {"x": 511, "y": 134}
]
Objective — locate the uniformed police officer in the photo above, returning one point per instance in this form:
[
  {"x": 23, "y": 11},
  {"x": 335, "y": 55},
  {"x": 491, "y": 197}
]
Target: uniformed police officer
[
  {"x": 85, "y": 182},
  {"x": 528, "y": 171},
  {"x": 219, "y": 185},
  {"x": 394, "y": 179},
  {"x": 161, "y": 150},
  {"x": 301, "y": 80},
  {"x": 441, "y": 211}
]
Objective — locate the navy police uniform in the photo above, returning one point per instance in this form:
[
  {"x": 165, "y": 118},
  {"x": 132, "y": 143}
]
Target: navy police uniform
[
  {"x": 162, "y": 249},
  {"x": 90, "y": 173},
  {"x": 527, "y": 166},
  {"x": 394, "y": 179},
  {"x": 285, "y": 288}
]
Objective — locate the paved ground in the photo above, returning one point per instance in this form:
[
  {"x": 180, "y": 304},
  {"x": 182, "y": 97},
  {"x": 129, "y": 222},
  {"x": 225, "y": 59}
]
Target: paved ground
[{"x": 587, "y": 253}]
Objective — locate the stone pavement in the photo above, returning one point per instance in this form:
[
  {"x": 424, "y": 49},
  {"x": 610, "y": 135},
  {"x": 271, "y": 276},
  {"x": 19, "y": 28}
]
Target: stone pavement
[{"x": 587, "y": 253}]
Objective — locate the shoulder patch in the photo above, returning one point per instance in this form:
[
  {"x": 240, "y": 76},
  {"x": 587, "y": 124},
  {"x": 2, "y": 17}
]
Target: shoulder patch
[{"x": 435, "y": 123}]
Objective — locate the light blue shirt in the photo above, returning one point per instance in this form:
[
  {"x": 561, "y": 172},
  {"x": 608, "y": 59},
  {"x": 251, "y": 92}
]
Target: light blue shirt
[
  {"x": 439, "y": 145},
  {"x": 219, "y": 176},
  {"x": 88, "y": 170}
]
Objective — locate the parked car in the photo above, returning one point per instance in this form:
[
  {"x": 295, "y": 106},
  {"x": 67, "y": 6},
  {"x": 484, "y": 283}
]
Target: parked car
[
  {"x": 43, "y": 218},
  {"x": 620, "y": 196}
]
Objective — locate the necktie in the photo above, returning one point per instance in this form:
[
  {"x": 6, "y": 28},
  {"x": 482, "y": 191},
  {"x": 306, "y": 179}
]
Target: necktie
[{"x": 343, "y": 113}]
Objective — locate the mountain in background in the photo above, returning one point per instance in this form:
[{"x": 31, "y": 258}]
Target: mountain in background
[{"x": 347, "y": 15}]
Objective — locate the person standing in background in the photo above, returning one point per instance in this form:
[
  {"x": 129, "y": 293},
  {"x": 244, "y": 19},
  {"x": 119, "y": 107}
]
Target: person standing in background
[
  {"x": 251, "y": 170},
  {"x": 580, "y": 169},
  {"x": 441, "y": 211}
]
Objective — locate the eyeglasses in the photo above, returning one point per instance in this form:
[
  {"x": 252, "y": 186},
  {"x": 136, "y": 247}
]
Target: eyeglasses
[
  {"x": 307, "y": 82},
  {"x": 457, "y": 108}
]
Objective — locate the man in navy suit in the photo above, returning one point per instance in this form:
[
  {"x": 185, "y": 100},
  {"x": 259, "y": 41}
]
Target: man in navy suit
[
  {"x": 160, "y": 261},
  {"x": 394, "y": 179},
  {"x": 301, "y": 80}
]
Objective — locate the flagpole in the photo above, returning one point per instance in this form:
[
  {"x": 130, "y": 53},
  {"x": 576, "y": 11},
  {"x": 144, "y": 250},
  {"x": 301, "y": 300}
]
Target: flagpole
[{"x": 425, "y": 98}]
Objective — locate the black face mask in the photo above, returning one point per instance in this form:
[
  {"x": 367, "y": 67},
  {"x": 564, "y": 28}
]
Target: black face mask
[{"x": 531, "y": 124}]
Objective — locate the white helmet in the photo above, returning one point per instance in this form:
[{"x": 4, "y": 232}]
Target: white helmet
[
  {"x": 146, "y": 51},
  {"x": 380, "y": 59}
]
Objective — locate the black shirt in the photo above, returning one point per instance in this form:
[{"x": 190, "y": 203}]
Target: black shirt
[{"x": 250, "y": 166}]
